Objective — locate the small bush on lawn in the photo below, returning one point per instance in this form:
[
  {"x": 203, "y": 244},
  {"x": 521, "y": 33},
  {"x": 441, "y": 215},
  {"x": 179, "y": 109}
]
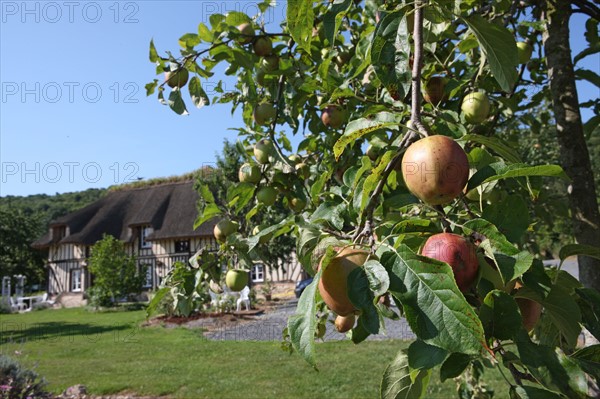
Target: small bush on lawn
[{"x": 17, "y": 382}]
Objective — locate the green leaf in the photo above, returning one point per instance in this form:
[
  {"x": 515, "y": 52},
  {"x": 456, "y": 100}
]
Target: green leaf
[
  {"x": 308, "y": 238},
  {"x": 578, "y": 249},
  {"x": 332, "y": 20},
  {"x": 495, "y": 144},
  {"x": 240, "y": 195},
  {"x": 209, "y": 212},
  {"x": 360, "y": 295},
  {"x": 156, "y": 300},
  {"x": 176, "y": 102},
  {"x": 359, "y": 127},
  {"x": 150, "y": 87},
  {"x": 454, "y": 366},
  {"x": 379, "y": 281},
  {"x": 236, "y": 18},
  {"x": 564, "y": 312},
  {"x": 199, "y": 97},
  {"x": 189, "y": 40},
  {"x": 399, "y": 381},
  {"x": 331, "y": 213},
  {"x": 552, "y": 368},
  {"x": 302, "y": 324},
  {"x": 276, "y": 230},
  {"x": 359, "y": 333},
  {"x": 500, "y": 315},
  {"x": 500, "y": 170},
  {"x": 435, "y": 309},
  {"x": 511, "y": 216},
  {"x": 422, "y": 356},
  {"x": 529, "y": 392},
  {"x": 589, "y": 359},
  {"x": 153, "y": 53},
  {"x": 204, "y": 33},
  {"x": 373, "y": 179},
  {"x": 390, "y": 52},
  {"x": 590, "y": 76},
  {"x": 499, "y": 47},
  {"x": 511, "y": 262},
  {"x": 589, "y": 303},
  {"x": 300, "y": 19}
]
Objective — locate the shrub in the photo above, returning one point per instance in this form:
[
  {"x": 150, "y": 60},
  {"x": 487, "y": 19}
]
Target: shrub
[
  {"x": 17, "y": 382},
  {"x": 99, "y": 298}
]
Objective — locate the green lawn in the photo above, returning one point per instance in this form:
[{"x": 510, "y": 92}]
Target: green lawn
[{"x": 110, "y": 353}]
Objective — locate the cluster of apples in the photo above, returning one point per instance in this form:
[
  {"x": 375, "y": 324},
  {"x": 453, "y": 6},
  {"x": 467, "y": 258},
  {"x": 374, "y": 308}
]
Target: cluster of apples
[{"x": 436, "y": 170}]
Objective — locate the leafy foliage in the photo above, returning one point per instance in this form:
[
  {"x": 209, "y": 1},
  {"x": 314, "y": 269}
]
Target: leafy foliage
[
  {"x": 116, "y": 274},
  {"x": 343, "y": 184},
  {"x": 24, "y": 220}
]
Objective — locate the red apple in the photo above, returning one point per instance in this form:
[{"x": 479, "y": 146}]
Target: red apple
[
  {"x": 434, "y": 90},
  {"x": 456, "y": 251},
  {"x": 333, "y": 116},
  {"x": 435, "y": 169}
]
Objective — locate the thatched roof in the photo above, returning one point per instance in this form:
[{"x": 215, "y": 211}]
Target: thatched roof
[{"x": 170, "y": 209}]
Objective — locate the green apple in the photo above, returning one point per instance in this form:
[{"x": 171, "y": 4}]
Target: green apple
[
  {"x": 224, "y": 228},
  {"x": 266, "y": 195},
  {"x": 249, "y": 173},
  {"x": 476, "y": 107},
  {"x": 263, "y": 46},
  {"x": 303, "y": 170},
  {"x": 177, "y": 78},
  {"x": 236, "y": 279},
  {"x": 262, "y": 150},
  {"x": 247, "y": 33},
  {"x": 297, "y": 204},
  {"x": 264, "y": 114},
  {"x": 270, "y": 63},
  {"x": 294, "y": 159},
  {"x": 524, "y": 51}
]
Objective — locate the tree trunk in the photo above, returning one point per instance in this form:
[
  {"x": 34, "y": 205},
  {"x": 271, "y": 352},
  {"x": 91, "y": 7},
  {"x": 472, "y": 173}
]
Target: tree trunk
[{"x": 574, "y": 153}]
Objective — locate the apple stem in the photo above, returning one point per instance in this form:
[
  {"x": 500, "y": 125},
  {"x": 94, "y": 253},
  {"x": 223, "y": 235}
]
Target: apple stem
[{"x": 445, "y": 223}]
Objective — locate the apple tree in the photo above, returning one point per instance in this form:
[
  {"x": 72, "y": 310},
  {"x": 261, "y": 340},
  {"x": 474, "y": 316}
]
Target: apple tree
[{"x": 426, "y": 204}]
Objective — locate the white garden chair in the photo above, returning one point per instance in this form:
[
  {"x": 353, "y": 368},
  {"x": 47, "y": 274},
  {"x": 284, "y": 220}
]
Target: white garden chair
[
  {"x": 244, "y": 298},
  {"x": 17, "y": 305}
]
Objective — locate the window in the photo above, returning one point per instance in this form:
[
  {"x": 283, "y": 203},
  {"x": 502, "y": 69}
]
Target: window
[
  {"x": 257, "y": 274},
  {"x": 149, "y": 275},
  {"x": 59, "y": 232},
  {"x": 144, "y": 233},
  {"x": 182, "y": 246},
  {"x": 76, "y": 277}
]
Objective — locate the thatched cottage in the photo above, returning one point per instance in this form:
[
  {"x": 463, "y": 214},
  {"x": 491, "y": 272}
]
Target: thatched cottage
[{"x": 156, "y": 224}]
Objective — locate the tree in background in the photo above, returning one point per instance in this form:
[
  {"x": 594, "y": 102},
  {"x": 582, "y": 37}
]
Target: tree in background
[
  {"x": 25, "y": 219},
  {"x": 374, "y": 219},
  {"x": 18, "y": 230},
  {"x": 221, "y": 182},
  {"x": 115, "y": 273}
]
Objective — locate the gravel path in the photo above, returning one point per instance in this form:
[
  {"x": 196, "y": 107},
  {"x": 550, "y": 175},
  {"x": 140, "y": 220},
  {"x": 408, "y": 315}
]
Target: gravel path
[{"x": 268, "y": 327}]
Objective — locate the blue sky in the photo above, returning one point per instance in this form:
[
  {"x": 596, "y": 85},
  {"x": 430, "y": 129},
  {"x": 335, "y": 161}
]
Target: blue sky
[{"x": 73, "y": 109}]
